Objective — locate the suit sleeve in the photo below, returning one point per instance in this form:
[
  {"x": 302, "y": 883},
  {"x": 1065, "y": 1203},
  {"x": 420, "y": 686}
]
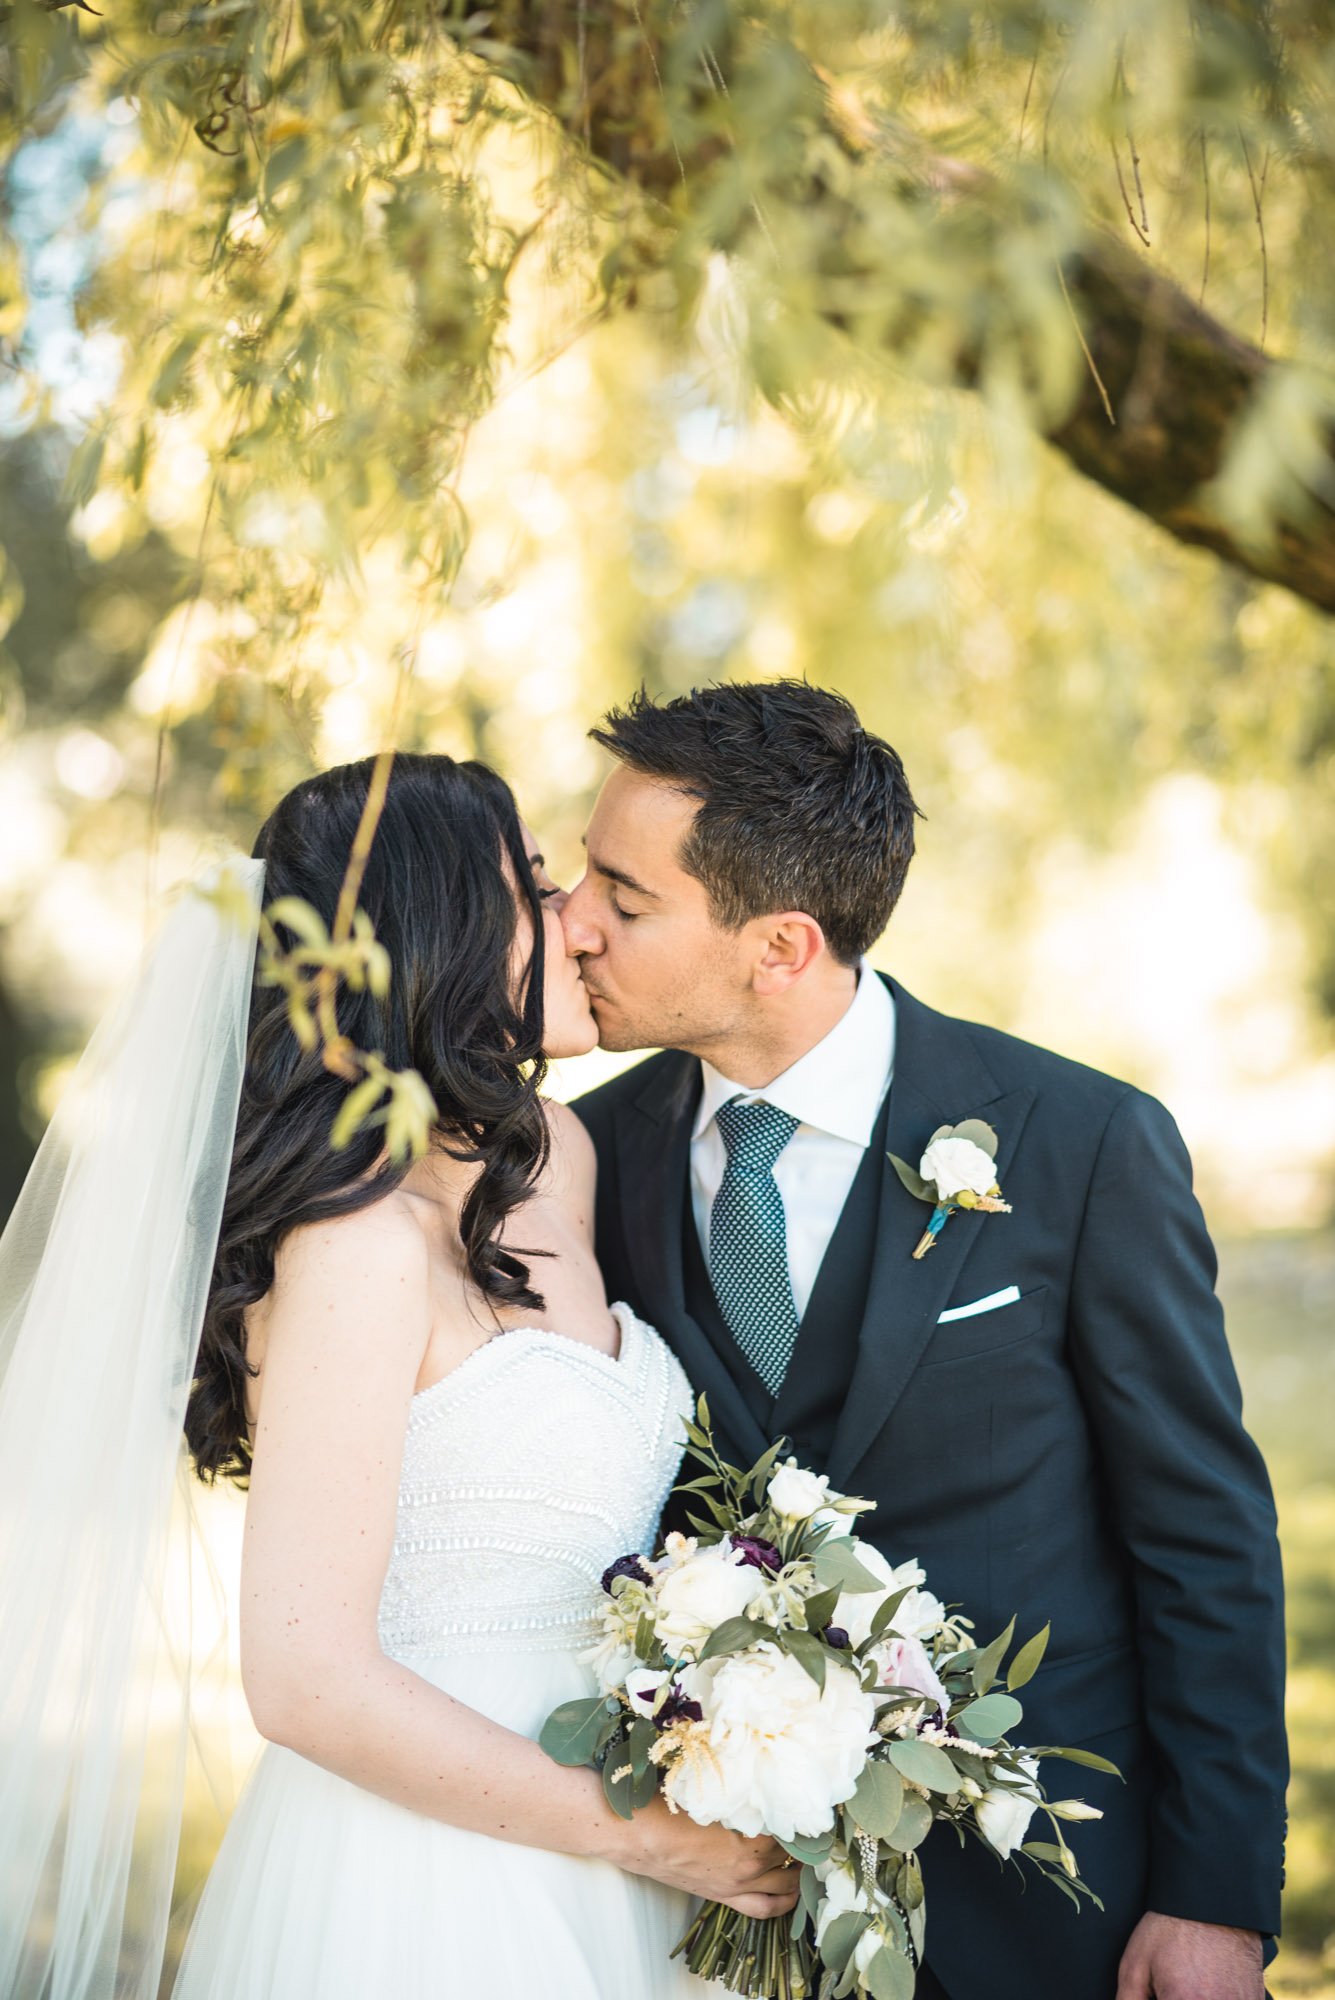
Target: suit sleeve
[{"x": 1191, "y": 1504}]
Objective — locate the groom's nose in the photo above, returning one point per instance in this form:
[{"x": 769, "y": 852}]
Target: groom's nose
[{"x": 583, "y": 937}]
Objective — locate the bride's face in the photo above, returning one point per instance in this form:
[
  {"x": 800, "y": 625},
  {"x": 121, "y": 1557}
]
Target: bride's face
[{"x": 569, "y": 1028}]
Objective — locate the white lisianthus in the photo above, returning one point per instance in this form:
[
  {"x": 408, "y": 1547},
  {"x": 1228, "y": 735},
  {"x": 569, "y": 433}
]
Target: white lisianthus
[
  {"x": 781, "y": 1753},
  {"x": 696, "y": 1595},
  {"x": 642, "y": 1688},
  {"x": 955, "y": 1164},
  {"x": 796, "y": 1494},
  {"x": 1003, "y": 1816},
  {"x": 840, "y": 1896},
  {"x": 904, "y": 1663}
]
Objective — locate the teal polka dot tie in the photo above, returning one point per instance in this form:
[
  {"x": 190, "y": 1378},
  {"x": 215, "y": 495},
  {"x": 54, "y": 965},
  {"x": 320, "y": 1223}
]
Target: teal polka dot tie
[{"x": 748, "y": 1239}]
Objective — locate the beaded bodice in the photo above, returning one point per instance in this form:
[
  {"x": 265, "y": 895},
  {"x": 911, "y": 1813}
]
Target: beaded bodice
[{"x": 526, "y": 1472}]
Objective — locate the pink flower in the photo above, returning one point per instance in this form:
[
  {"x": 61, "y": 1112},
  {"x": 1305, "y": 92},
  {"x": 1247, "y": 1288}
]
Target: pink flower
[{"x": 903, "y": 1663}]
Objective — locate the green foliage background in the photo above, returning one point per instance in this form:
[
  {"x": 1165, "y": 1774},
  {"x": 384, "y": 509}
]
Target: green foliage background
[{"x": 476, "y": 366}]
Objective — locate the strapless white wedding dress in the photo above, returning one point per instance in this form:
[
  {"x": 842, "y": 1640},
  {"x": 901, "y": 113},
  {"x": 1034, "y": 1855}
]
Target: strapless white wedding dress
[{"x": 525, "y": 1473}]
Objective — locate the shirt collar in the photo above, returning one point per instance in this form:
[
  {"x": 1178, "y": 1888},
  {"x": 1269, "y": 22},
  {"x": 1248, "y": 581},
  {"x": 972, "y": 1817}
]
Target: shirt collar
[{"x": 838, "y": 1086}]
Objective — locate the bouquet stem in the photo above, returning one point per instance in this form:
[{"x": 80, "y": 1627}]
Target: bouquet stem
[{"x": 753, "y": 1956}]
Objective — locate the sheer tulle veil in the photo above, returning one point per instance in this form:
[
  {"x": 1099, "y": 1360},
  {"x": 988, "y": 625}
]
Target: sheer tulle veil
[{"x": 104, "y": 1273}]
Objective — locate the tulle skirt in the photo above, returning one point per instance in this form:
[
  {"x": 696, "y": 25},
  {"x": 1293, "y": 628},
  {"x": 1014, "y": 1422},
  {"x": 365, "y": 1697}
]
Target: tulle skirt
[{"x": 322, "y": 1891}]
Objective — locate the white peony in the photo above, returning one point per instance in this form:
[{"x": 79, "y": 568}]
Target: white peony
[
  {"x": 1004, "y": 1816},
  {"x": 780, "y": 1753},
  {"x": 701, "y": 1592},
  {"x": 795, "y": 1494},
  {"x": 954, "y": 1164}
]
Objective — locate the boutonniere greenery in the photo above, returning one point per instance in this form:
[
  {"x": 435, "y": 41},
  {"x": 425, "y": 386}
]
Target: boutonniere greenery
[{"x": 958, "y": 1170}]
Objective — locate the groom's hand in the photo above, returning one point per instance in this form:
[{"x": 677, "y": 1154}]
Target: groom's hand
[{"x": 1176, "y": 1960}]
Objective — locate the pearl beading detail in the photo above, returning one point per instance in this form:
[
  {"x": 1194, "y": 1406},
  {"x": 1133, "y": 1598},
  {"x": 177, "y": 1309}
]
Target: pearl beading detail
[{"x": 526, "y": 1471}]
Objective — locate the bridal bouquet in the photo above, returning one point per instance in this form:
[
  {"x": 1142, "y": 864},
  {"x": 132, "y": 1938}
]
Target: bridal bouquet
[{"x": 774, "y": 1674}]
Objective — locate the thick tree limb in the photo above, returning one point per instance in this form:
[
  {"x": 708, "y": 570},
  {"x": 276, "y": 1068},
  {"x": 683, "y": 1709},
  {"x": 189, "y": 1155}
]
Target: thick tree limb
[{"x": 1178, "y": 381}]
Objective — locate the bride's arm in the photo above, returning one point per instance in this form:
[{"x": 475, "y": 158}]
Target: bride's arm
[{"x": 345, "y": 1335}]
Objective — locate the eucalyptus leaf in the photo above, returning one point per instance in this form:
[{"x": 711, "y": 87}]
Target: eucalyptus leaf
[
  {"x": 838, "y": 1568},
  {"x": 618, "y": 1784},
  {"x": 989, "y": 1717},
  {"x": 886, "y": 1610},
  {"x": 925, "y": 1764},
  {"x": 734, "y": 1635},
  {"x": 984, "y": 1669},
  {"x": 570, "y": 1733},
  {"x": 809, "y": 1847},
  {"x": 889, "y": 1976},
  {"x": 920, "y": 1189},
  {"x": 915, "y": 1823},
  {"x": 1027, "y": 1661},
  {"x": 878, "y": 1800},
  {"x": 908, "y": 1883},
  {"x": 1085, "y": 1757},
  {"x": 820, "y": 1609},
  {"x": 841, "y": 1938},
  {"x": 640, "y": 1741},
  {"x": 808, "y": 1651}
]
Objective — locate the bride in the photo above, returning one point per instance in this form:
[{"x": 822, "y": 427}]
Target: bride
[{"x": 447, "y": 1436}]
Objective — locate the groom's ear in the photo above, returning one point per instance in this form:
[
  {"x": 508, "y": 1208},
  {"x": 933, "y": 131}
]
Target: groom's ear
[{"x": 788, "y": 946}]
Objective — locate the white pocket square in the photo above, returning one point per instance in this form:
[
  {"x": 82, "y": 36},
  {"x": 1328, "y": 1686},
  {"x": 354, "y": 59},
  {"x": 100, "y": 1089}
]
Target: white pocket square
[{"x": 994, "y": 1299}]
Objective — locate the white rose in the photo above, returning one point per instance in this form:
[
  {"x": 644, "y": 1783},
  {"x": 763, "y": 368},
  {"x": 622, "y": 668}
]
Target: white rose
[
  {"x": 694, "y": 1597},
  {"x": 955, "y": 1164},
  {"x": 1003, "y": 1816},
  {"x": 795, "y": 1494},
  {"x": 783, "y": 1753}
]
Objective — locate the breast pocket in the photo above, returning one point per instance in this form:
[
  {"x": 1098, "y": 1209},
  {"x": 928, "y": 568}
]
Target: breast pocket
[{"x": 988, "y": 1332}]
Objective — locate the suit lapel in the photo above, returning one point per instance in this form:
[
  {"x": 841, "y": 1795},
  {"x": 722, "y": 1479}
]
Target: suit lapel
[
  {"x": 939, "y": 1079},
  {"x": 653, "y": 1157}
]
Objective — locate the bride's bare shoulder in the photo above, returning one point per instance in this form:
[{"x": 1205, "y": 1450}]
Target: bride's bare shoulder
[{"x": 383, "y": 1243}]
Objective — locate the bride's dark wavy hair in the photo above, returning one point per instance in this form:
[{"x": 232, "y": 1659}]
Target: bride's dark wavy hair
[{"x": 437, "y": 891}]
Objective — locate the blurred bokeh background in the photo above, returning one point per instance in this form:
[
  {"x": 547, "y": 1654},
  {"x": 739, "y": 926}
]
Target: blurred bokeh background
[{"x": 1124, "y": 746}]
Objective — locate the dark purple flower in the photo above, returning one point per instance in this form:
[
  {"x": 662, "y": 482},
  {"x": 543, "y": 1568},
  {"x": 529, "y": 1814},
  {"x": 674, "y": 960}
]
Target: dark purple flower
[
  {"x": 760, "y": 1555},
  {"x": 678, "y": 1709},
  {"x": 836, "y": 1636},
  {"x": 634, "y": 1566}
]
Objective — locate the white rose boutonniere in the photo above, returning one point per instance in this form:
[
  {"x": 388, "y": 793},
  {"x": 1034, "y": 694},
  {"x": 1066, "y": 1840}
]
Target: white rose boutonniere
[{"x": 958, "y": 1170}]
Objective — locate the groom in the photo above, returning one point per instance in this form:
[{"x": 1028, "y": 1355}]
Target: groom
[{"x": 1043, "y": 1409}]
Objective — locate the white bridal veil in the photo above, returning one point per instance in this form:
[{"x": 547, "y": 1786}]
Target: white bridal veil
[{"x": 104, "y": 1272}]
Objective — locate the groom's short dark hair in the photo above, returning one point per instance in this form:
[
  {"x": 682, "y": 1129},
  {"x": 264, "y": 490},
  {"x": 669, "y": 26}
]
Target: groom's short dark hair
[{"x": 800, "y": 807}]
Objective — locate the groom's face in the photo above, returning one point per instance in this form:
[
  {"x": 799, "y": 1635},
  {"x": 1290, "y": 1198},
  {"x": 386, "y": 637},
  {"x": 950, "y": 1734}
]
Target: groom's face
[{"x": 660, "y": 972}]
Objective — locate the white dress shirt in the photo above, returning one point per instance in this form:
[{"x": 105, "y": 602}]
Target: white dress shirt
[{"x": 836, "y": 1090}]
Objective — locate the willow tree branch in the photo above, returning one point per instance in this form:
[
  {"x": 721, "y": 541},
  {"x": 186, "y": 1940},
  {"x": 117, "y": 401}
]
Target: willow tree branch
[{"x": 1179, "y": 381}]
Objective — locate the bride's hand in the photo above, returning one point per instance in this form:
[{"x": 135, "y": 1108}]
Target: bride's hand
[{"x": 750, "y": 1875}]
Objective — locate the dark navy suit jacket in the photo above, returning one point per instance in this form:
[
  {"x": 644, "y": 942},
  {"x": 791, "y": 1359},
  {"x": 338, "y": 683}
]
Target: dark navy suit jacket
[{"x": 1076, "y": 1456}]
